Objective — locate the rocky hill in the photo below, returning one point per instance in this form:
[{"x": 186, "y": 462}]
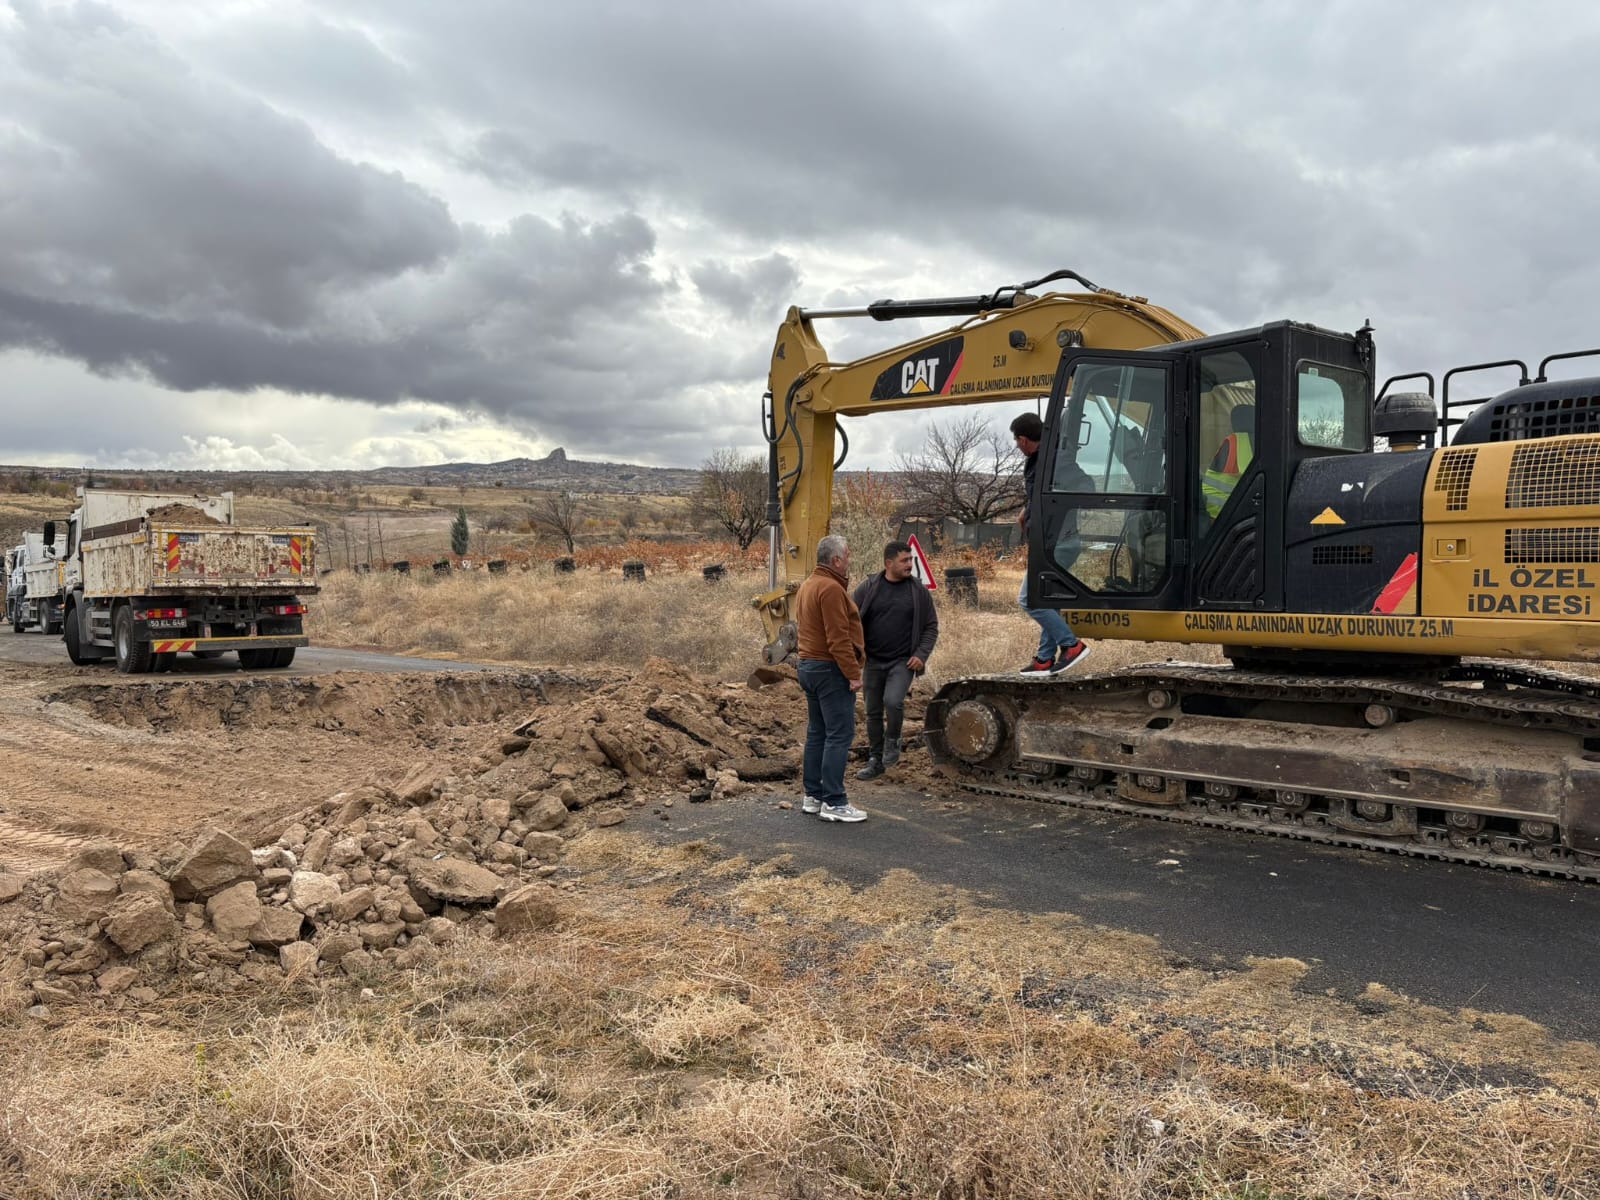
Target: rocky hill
[{"x": 553, "y": 472}]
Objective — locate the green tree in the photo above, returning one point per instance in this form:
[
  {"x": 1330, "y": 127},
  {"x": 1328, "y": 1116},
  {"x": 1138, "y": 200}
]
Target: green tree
[{"x": 460, "y": 534}]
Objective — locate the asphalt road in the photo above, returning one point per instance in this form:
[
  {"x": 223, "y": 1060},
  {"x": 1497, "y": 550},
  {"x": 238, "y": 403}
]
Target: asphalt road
[
  {"x": 1448, "y": 935},
  {"x": 34, "y": 648}
]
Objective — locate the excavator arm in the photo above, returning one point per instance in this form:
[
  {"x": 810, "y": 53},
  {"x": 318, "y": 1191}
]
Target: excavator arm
[{"x": 1006, "y": 349}]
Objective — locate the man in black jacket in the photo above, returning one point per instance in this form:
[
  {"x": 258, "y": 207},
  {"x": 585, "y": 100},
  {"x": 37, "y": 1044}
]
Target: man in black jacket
[{"x": 900, "y": 628}]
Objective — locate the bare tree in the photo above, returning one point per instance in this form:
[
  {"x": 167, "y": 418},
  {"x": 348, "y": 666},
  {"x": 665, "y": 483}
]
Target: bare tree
[
  {"x": 558, "y": 512},
  {"x": 733, "y": 495},
  {"x": 966, "y": 471},
  {"x": 483, "y": 538}
]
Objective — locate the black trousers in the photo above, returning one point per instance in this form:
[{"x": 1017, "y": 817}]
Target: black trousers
[{"x": 884, "y": 685}]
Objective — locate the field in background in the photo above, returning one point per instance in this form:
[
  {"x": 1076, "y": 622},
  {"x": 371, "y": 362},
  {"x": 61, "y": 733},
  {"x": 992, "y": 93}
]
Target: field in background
[
  {"x": 594, "y": 616},
  {"x": 381, "y": 525}
]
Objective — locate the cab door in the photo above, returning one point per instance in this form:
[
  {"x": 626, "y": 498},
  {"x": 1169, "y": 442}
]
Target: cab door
[{"x": 1102, "y": 527}]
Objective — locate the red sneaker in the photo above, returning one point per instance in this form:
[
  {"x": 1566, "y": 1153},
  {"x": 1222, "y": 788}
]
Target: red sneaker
[
  {"x": 1039, "y": 666},
  {"x": 1070, "y": 657}
]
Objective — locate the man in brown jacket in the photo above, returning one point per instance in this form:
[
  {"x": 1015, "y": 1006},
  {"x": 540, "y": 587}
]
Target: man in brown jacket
[{"x": 832, "y": 653}]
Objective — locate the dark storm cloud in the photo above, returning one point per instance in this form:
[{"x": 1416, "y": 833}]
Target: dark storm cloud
[
  {"x": 132, "y": 181},
  {"x": 760, "y": 288},
  {"x": 190, "y": 208},
  {"x": 510, "y": 159},
  {"x": 160, "y": 225},
  {"x": 1234, "y": 161}
]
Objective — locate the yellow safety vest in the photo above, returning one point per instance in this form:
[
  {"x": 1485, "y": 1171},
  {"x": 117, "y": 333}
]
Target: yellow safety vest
[{"x": 1232, "y": 457}]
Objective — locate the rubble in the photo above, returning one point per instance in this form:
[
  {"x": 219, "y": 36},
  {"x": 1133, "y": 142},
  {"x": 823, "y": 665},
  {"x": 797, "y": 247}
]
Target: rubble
[
  {"x": 529, "y": 908},
  {"x": 214, "y": 862},
  {"x": 378, "y": 878},
  {"x": 456, "y": 879}
]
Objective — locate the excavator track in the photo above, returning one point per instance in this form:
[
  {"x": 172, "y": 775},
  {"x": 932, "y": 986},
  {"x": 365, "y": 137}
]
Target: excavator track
[{"x": 1476, "y": 763}]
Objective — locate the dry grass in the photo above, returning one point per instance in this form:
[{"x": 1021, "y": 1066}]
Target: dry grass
[
  {"x": 595, "y": 617},
  {"x": 545, "y": 618},
  {"x": 694, "y": 1029}
]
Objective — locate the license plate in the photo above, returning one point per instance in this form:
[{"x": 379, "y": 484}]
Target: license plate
[{"x": 166, "y": 624}]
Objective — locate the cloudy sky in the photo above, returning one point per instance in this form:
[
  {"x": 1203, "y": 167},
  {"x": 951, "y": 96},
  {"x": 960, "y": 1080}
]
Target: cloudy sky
[{"x": 365, "y": 232}]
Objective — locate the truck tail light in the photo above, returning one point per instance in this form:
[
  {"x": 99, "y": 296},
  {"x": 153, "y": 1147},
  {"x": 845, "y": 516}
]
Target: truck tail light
[
  {"x": 284, "y": 610},
  {"x": 160, "y": 614}
]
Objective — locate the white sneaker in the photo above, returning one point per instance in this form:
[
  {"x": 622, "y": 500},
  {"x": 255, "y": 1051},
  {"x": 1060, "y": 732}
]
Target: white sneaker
[
  {"x": 842, "y": 812},
  {"x": 810, "y": 805}
]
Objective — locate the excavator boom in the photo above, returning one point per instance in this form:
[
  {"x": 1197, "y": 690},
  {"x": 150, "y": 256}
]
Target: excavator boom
[{"x": 1007, "y": 348}]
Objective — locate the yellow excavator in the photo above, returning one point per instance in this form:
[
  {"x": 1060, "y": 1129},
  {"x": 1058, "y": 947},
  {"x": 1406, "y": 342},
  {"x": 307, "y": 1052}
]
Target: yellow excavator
[{"x": 1381, "y": 569}]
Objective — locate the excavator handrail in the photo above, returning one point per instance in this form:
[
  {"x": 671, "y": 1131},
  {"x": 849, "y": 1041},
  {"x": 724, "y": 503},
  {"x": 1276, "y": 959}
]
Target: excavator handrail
[
  {"x": 1544, "y": 363},
  {"x": 1393, "y": 379}
]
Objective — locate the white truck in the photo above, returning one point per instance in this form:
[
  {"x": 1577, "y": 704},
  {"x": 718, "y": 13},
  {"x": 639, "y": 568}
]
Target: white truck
[
  {"x": 33, "y": 586},
  {"x": 147, "y": 576}
]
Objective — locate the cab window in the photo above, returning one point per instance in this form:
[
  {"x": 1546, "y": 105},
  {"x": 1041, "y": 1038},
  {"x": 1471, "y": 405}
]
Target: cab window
[
  {"x": 1225, "y": 444},
  {"x": 1331, "y": 409},
  {"x": 1112, "y": 438}
]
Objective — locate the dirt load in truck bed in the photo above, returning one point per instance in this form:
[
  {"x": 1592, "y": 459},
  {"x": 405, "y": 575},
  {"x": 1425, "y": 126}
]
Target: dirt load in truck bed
[{"x": 182, "y": 514}]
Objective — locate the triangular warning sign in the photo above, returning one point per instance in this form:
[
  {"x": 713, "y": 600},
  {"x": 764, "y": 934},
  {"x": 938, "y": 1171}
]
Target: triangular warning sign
[
  {"x": 919, "y": 564},
  {"x": 1327, "y": 517}
]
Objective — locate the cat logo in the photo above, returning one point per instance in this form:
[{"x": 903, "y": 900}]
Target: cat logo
[
  {"x": 930, "y": 373},
  {"x": 919, "y": 376}
]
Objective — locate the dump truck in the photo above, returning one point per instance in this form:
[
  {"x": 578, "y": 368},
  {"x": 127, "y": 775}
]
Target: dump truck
[
  {"x": 146, "y": 576},
  {"x": 33, "y": 586}
]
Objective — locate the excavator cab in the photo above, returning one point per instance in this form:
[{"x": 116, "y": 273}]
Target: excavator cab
[{"x": 1167, "y": 471}]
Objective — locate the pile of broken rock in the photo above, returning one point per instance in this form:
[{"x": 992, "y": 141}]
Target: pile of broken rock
[
  {"x": 362, "y": 886},
  {"x": 379, "y": 878}
]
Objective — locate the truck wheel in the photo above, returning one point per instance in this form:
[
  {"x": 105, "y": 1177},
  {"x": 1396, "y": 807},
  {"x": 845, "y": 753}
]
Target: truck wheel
[
  {"x": 255, "y": 660},
  {"x": 133, "y": 658},
  {"x": 283, "y": 657},
  {"x": 162, "y": 662},
  {"x": 16, "y": 621},
  {"x": 74, "y": 648}
]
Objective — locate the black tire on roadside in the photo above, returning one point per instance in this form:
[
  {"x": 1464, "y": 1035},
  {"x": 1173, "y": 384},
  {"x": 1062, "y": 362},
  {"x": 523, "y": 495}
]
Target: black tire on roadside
[
  {"x": 283, "y": 657},
  {"x": 133, "y": 658},
  {"x": 255, "y": 660},
  {"x": 208, "y": 654},
  {"x": 162, "y": 662}
]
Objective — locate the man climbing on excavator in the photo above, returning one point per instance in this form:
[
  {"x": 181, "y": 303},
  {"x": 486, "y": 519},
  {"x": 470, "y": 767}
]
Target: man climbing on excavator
[{"x": 1059, "y": 647}]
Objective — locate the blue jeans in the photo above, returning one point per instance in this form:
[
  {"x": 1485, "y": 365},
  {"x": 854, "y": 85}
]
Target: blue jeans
[
  {"x": 830, "y": 728},
  {"x": 1054, "y": 632},
  {"x": 884, "y": 687}
]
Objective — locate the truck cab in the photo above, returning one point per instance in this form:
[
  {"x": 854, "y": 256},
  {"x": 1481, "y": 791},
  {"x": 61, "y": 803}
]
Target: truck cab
[{"x": 33, "y": 589}]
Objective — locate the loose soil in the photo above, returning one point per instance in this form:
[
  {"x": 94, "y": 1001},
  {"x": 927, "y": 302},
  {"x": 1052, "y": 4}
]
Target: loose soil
[
  {"x": 146, "y": 763},
  {"x": 503, "y": 992}
]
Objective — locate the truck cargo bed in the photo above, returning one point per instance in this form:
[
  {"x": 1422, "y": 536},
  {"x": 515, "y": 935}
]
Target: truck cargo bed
[{"x": 164, "y": 558}]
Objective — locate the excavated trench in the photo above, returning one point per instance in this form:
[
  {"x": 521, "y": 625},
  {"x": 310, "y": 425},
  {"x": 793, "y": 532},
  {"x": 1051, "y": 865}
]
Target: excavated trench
[
  {"x": 381, "y": 704},
  {"x": 143, "y": 762}
]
